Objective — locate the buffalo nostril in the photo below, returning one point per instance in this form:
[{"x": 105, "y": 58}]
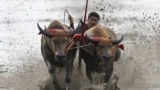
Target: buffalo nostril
[
  {"x": 106, "y": 58},
  {"x": 60, "y": 56}
]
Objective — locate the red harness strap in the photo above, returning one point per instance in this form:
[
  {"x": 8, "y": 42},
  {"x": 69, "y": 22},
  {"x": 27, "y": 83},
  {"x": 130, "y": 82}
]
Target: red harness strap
[{"x": 69, "y": 47}]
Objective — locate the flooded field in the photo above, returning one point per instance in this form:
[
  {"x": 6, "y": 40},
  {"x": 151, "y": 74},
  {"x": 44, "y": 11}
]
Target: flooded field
[{"x": 21, "y": 63}]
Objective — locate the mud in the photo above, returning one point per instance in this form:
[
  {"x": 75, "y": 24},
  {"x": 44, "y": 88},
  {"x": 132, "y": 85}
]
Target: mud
[{"x": 21, "y": 63}]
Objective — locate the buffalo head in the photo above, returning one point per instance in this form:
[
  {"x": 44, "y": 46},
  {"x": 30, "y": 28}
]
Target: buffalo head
[
  {"x": 57, "y": 41},
  {"x": 104, "y": 47}
]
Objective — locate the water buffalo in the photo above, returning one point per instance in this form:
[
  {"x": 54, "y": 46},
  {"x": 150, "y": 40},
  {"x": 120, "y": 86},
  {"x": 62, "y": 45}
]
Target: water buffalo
[
  {"x": 99, "y": 51},
  {"x": 56, "y": 52}
]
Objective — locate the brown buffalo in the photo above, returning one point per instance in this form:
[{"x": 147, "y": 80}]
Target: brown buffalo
[
  {"x": 99, "y": 51},
  {"x": 55, "y": 49}
]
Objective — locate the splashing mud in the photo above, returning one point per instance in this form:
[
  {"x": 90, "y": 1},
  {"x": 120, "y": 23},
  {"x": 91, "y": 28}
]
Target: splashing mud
[{"x": 21, "y": 63}]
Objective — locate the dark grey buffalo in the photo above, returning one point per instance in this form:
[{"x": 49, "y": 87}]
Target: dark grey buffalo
[
  {"x": 55, "y": 48},
  {"x": 100, "y": 50}
]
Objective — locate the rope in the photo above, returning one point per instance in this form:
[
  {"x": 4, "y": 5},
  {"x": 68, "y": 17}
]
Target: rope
[{"x": 81, "y": 46}]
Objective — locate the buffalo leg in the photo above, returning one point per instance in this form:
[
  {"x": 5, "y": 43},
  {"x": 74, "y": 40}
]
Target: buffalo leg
[
  {"x": 89, "y": 75},
  {"x": 54, "y": 81},
  {"x": 68, "y": 75},
  {"x": 80, "y": 55},
  {"x": 108, "y": 74},
  {"x": 80, "y": 58},
  {"x": 69, "y": 67}
]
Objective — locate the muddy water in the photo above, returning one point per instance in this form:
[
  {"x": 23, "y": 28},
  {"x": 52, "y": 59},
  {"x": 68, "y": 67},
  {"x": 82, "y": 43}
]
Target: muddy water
[{"x": 21, "y": 63}]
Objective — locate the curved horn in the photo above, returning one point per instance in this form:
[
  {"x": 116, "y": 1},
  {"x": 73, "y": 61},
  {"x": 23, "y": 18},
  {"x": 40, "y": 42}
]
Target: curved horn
[
  {"x": 45, "y": 32},
  {"x": 77, "y": 30},
  {"x": 118, "y": 41},
  {"x": 81, "y": 22}
]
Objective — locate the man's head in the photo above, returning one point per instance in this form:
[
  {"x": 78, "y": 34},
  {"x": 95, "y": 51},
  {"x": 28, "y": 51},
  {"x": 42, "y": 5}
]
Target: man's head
[{"x": 93, "y": 19}]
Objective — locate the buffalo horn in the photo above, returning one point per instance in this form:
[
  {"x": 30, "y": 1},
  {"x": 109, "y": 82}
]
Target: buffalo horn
[
  {"x": 71, "y": 33},
  {"x": 45, "y": 32},
  {"x": 118, "y": 41}
]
